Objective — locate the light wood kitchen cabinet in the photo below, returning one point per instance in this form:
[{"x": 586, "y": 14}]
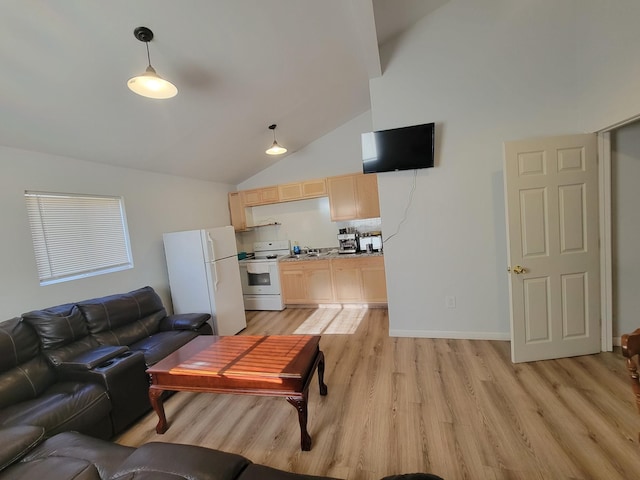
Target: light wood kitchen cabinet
[
  {"x": 374, "y": 281},
  {"x": 359, "y": 280},
  {"x": 353, "y": 196},
  {"x": 237, "y": 212},
  {"x": 335, "y": 280},
  {"x": 260, "y": 196},
  {"x": 367, "y": 200},
  {"x": 302, "y": 190},
  {"x": 318, "y": 282},
  {"x": 347, "y": 280},
  {"x": 306, "y": 282},
  {"x": 292, "y": 283}
]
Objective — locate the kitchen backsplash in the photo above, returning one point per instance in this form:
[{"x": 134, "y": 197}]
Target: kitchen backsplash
[{"x": 307, "y": 222}]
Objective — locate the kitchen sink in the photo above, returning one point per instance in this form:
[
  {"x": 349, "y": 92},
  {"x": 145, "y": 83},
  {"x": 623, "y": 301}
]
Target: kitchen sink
[{"x": 307, "y": 255}]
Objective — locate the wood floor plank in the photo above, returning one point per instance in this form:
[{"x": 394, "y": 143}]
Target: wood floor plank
[{"x": 457, "y": 408}]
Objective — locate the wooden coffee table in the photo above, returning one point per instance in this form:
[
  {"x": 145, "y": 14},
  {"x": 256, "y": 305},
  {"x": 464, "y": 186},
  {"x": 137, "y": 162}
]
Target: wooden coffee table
[{"x": 276, "y": 365}]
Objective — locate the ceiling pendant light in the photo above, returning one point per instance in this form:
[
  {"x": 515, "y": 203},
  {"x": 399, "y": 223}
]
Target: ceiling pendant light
[
  {"x": 150, "y": 84},
  {"x": 275, "y": 149}
]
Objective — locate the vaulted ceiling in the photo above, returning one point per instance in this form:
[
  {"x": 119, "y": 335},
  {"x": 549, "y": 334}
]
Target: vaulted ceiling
[{"x": 239, "y": 65}]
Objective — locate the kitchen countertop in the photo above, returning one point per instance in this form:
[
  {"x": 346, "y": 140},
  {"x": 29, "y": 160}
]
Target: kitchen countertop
[{"x": 328, "y": 256}]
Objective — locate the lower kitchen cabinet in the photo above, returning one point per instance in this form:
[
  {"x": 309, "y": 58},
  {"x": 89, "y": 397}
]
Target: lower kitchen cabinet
[
  {"x": 335, "y": 280},
  {"x": 306, "y": 282},
  {"x": 359, "y": 280},
  {"x": 318, "y": 282},
  {"x": 374, "y": 281},
  {"x": 347, "y": 280}
]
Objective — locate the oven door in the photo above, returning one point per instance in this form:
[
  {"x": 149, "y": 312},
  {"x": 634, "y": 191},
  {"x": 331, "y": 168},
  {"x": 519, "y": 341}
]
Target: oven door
[{"x": 267, "y": 283}]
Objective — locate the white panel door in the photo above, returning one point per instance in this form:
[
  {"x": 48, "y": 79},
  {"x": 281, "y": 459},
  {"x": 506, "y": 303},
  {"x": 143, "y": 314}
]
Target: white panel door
[{"x": 551, "y": 187}]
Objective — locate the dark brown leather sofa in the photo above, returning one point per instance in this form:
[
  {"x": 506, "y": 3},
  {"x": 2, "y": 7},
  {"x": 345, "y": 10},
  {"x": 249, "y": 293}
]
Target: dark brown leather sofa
[
  {"x": 81, "y": 366},
  {"x": 71, "y": 455}
]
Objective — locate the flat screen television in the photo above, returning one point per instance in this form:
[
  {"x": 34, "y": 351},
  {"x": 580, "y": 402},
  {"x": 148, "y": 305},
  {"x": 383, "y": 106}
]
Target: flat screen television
[{"x": 405, "y": 148}]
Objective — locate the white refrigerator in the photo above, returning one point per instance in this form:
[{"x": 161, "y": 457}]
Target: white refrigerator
[{"x": 204, "y": 276}]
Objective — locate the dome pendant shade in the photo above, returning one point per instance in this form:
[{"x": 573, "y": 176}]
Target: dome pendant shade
[
  {"x": 275, "y": 149},
  {"x": 150, "y": 84}
]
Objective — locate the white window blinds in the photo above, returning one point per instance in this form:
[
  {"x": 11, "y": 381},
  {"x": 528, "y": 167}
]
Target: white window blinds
[{"x": 76, "y": 236}]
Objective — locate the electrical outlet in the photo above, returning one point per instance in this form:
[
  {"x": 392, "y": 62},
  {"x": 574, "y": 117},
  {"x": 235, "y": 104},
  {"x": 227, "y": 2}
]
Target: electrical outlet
[{"x": 450, "y": 301}]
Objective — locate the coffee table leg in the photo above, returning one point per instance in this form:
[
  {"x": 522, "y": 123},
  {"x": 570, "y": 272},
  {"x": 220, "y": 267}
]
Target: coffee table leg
[
  {"x": 323, "y": 387},
  {"x": 300, "y": 404},
  {"x": 155, "y": 397}
]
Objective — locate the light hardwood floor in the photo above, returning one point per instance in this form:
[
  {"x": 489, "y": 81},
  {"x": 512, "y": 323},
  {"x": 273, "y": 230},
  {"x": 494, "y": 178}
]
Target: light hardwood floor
[{"x": 456, "y": 408}]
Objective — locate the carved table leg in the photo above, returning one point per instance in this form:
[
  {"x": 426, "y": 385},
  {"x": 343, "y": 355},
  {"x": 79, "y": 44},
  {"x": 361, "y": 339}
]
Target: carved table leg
[
  {"x": 323, "y": 387},
  {"x": 300, "y": 404},
  {"x": 155, "y": 397}
]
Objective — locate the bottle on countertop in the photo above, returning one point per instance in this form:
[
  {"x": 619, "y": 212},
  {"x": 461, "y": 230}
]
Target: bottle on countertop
[{"x": 296, "y": 248}]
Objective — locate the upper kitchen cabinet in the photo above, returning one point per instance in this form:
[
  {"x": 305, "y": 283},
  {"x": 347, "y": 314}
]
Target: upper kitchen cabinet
[
  {"x": 353, "y": 196},
  {"x": 237, "y": 212},
  {"x": 302, "y": 190},
  {"x": 260, "y": 196}
]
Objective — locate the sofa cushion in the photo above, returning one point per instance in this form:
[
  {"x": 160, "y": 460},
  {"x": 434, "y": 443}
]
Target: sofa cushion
[
  {"x": 184, "y": 321},
  {"x": 18, "y": 343},
  {"x": 130, "y": 332},
  {"x": 62, "y": 407},
  {"x": 17, "y": 442},
  {"x": 25, "y": 381},
  {"x": 123, "y": 318},
  {"x": 58, "y": 468},
  {"x": 158, "y": 346},
  {"x": 57, "y": 326},
  {"x": 68, "y": 352},
  {"x": 166, "y": 460},
  {"x": 260, "y": 472},
  {"x": 106, "y": 456}
]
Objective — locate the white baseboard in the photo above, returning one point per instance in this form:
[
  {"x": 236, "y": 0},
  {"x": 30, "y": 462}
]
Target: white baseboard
[
  {"x": 461, "y": 335},
  {"x": 453, "y": 335}
]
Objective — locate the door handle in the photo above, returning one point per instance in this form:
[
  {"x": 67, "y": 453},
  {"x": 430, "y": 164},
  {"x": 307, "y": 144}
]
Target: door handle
[
  {"x": 212, "y": 250},
  {"x": 517, "y": 270},
  {"x": 215, "y": 273}
]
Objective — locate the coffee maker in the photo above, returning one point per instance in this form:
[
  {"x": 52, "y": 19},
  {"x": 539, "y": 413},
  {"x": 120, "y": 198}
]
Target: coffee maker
[{"x": 348, "y": 240}]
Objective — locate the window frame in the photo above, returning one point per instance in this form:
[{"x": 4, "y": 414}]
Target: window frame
[{"x": 43, "y": 223}]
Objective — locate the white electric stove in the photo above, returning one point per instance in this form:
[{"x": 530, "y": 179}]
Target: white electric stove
[{"x": 260, "y": 276}]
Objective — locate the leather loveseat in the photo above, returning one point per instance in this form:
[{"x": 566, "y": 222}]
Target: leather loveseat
[
  {"x": 82, "y": 366},
  {"x": 71, "y": 455}
]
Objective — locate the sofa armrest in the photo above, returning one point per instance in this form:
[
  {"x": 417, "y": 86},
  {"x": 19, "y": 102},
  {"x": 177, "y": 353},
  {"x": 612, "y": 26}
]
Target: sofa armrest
[
  {"x": 184, "y": 321},
  {"x": 93, "y": 358},
  {"x": 17, "y": 442},
  {"x": 165, "y": 460}
]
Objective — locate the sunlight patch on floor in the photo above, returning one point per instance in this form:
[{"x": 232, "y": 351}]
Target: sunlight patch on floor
[{"x": 332, "y": 320}]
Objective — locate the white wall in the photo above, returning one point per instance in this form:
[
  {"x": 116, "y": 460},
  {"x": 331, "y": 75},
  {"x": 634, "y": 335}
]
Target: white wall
[
  {"x": 308, "y": 221},
  {"x": 625, "y": 173},
  {"x": 486, "y": 71},
  {"x": 154, "y": 204}
]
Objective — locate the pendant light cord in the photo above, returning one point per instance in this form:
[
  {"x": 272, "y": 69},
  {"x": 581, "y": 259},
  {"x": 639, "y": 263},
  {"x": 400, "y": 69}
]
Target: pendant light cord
[{"x": 148, "y": 57}]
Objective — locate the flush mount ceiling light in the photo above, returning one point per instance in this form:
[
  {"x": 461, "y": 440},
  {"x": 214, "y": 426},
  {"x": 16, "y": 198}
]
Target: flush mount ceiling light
[
  {"x": 275, "y": 149},
  {"x": 150, "y": 84}
]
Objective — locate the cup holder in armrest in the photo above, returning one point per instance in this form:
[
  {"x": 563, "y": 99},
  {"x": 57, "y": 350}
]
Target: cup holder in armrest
[
  {"x": 126, "y": 354},
  {"x": 106, "y": 364}
]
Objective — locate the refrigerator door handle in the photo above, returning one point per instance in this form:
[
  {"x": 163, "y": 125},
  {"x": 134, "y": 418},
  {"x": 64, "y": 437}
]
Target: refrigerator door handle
[
  {"x": 212, "y": 250},
  {"x": 215, "y": 272}
]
